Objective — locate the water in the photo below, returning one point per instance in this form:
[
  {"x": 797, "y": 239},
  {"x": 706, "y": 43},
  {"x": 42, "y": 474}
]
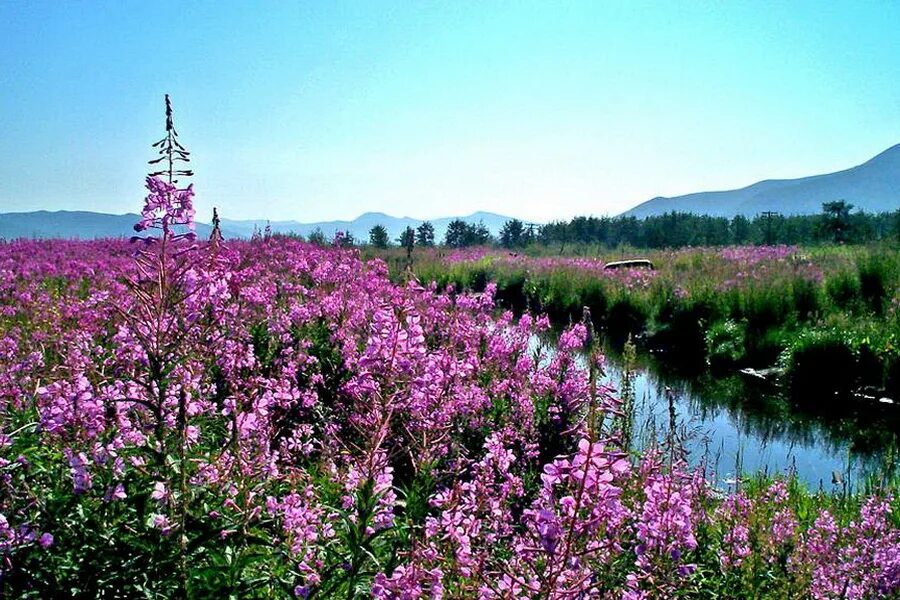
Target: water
[
  {"x": 739, "y": 427},
  {"x": 731, "y": 440}
]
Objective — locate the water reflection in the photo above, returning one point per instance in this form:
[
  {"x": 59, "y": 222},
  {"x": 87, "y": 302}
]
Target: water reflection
[{"x": 738, "y": 426}]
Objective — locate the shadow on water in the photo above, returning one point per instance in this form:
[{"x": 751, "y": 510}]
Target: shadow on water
[{"x": 739, "y": 426}]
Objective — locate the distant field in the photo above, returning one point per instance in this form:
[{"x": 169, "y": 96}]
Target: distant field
[{"x": 801, "y": 310}]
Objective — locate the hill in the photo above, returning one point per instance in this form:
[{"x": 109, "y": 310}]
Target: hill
[
  {"x": 72, "y": 224},
  {"x": 873, "y": 186},
  {"x": 360, "y": 226},
  {"x": 89, "y": 225}
]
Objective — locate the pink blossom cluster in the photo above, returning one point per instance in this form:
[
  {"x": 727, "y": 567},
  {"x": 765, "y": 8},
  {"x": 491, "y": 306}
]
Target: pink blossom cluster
[
  {"x": 629, "y": 278},
  {"x": 282, "y": 401},
  {"x": 166, "y": 206},
  {"x": 751, "y": 255}
]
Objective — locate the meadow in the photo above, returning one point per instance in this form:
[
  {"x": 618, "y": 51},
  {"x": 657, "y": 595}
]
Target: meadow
[
  {"x": 271, "y": 418},
  {"x": 793, "y": 311}
]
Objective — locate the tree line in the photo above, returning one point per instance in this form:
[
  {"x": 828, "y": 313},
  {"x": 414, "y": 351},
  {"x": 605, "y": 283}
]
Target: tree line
[{"x": 837, "y": 223}]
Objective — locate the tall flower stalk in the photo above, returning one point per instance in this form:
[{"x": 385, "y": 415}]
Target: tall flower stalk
[
  {"x": 171, "y": 151},
  {"x": 159, "y": 321}
]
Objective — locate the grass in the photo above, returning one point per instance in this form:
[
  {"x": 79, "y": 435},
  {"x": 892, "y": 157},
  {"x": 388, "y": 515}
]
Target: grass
[{"x": 723, "y": 308}]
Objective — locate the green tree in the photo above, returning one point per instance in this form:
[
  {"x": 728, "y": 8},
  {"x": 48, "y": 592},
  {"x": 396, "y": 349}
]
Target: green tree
[
  {"x": 478, "y": 234},
  {"x": 836, "y": 220},
  {"x": 407, "y": 239},
  {"x": 378, "y": 236},
  {"x": 512, "y": 235},
  {"x": 425, "y": 235},
  {"x": 457, "y": 232},
  {"x": 317, "y": 237},
  {"x": 740, "y": 230}
]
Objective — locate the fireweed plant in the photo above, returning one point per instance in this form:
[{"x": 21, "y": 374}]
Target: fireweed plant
[
  {"x": 277, "y": 419},
  {"x": 797, "y": 309}
]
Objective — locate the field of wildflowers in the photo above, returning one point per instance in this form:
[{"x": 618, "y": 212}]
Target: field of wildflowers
[
  {"x": 276, "y": 419},
  {"x": 795, "y": 309},
  {"x": 271, "y": 418}
]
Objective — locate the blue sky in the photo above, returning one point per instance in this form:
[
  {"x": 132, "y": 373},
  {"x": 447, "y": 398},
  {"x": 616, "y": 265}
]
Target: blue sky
[{"x": 539, "y": 110}]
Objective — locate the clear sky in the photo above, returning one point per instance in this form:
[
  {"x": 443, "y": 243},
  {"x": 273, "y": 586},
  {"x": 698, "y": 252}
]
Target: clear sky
[{"x": 323, "y": 110}]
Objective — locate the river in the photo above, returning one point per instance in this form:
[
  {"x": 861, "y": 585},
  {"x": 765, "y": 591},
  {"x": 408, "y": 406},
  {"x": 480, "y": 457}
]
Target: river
[{"x": 739, "y": 427}]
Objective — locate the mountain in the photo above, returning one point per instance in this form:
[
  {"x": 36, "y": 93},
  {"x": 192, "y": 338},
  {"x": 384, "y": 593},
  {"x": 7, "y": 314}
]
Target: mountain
[
  {"x": 360, "y": 226},
  {"x": 873, "y": 186},
  {"x": 88, "y": 225},
  {"x": 73, "y": 224}
]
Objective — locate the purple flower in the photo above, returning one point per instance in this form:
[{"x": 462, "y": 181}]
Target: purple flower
[
  {"x": 116, "y": 492},
  {"x": 159, "y": 491},
  {"x": 162, "y": 523},
  {"x": 548, "y": 529},
  {"x": 167, "y": 206}
]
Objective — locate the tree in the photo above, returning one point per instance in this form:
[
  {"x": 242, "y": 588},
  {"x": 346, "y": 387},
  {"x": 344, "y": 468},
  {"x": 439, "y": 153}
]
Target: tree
[
  {"x": 478, "y": 234},
  {"x": 836, "y": 220},
  {"x": 456, "y": 234},
  {"x": 317, "y": 237},
  {"x": 512, "y": 235},
  {"x": 378, "y": 236},
  {"x": 552, "y": 232},
  {"x": 407, "y": 239},
  {"x": 715, "y": 231},
  {"x": 580, "y": 229},
  {"x": 461, "y": 234},
  {"x": 425, "y": 235},
  {"x": 740, "y": 229},
  {"x": 528, "y": 236},
  {"x": 343, "y": 239},
  {"x": 675, "y": 230}
]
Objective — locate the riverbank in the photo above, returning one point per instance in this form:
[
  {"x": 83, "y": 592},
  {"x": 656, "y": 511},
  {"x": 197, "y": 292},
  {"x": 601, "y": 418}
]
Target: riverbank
[
  {"x": 742, "y": 427},
  {"x": 786, "y": 312}
]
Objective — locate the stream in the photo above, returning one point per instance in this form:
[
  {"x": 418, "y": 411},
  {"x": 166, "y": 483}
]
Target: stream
[{"x": 739, "y": 427}]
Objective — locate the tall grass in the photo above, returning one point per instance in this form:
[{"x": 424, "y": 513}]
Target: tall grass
[{"x": 726, "y": 308}]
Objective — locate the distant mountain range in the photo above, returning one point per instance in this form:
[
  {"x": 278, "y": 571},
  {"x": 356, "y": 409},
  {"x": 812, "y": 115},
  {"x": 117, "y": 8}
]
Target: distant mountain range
[
  {"x": 360, "y": 226},
  {"x": 88, "y": 225},
  {"x": 873, "y": 186},
  {"x": 72, "y": 224}
]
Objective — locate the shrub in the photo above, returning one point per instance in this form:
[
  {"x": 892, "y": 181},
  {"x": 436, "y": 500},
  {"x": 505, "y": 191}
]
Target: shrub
[
  {"x": 726, "y": 344},
  {"x": 766, "y": 307},
  {"x": 681, "y": 327},
  {"x": 823, "y": 368},
  {"x": 805, "y": 296},
  {"x": 844, "y": 290},
  {"x": 874, "y": 277},
  {"x": 594, "y": 295},
  {"x": 511, "y": 292},
  {"x": 892, "y": 377},
  {"x": 627, "y": 315}
]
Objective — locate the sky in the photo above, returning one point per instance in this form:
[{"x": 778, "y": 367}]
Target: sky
[{"x": 539, "y": 110}]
